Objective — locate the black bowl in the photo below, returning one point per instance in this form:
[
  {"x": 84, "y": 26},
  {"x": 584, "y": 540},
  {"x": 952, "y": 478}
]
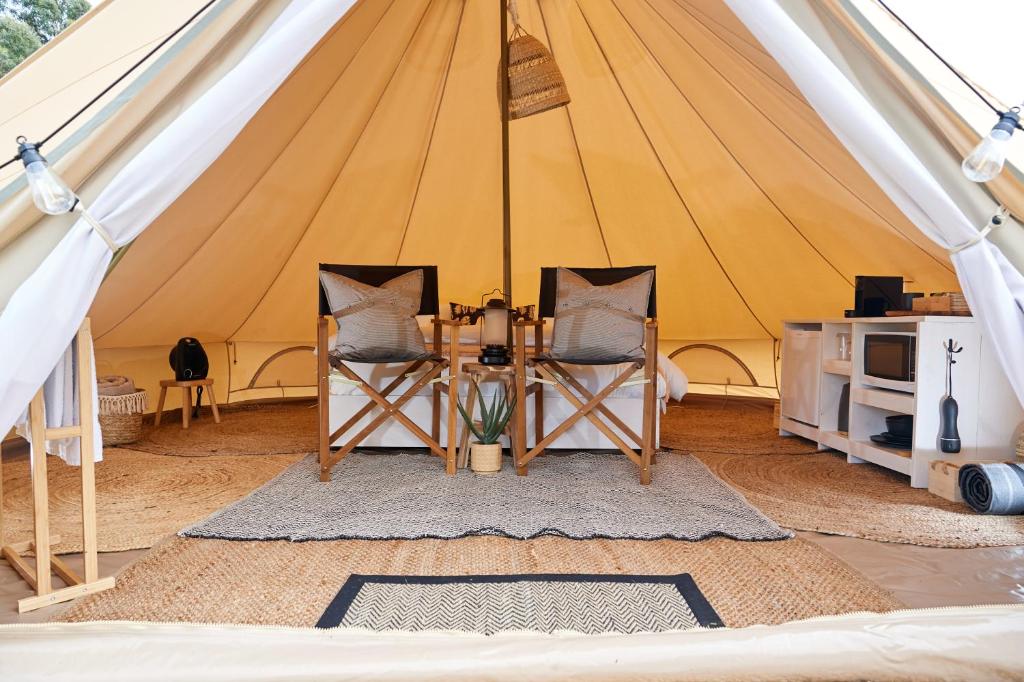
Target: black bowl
[{"x": 901, "y": 425}]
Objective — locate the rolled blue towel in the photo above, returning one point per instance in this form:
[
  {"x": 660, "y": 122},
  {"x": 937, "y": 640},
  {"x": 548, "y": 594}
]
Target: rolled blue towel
[{"x": 993, "y": 488}]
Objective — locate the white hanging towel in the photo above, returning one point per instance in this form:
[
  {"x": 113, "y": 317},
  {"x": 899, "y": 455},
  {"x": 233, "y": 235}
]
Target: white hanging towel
[{"x": 60, "y": 400}]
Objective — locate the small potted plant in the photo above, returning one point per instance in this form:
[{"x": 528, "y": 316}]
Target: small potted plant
[{"x": 485, "y": 451}]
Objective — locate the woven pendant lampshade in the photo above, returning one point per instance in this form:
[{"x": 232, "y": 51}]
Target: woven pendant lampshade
[{"x": 535, "y": 83}]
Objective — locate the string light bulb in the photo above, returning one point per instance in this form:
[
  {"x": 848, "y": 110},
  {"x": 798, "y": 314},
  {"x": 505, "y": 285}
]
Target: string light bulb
[
  {"x": 986, "y": 161},
  {"x": 50, "y": 193}
]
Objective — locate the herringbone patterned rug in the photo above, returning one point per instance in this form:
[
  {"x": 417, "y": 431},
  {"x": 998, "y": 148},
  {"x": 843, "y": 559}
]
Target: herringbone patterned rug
[{"x": 488, "y": 604}]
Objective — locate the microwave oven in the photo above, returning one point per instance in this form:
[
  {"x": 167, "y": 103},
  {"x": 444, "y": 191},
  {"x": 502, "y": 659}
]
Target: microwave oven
[{"x": 890, "y": 359}]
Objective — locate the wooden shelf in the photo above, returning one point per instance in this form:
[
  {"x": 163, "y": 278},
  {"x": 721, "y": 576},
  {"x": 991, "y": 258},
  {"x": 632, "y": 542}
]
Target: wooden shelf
[
  {"x": 894, "y": 401},
  {"x": 891, "y": 458},
  {"x": 988, "y": 417},
  {"x": 842, "y": 367},
  {"x": 799, "y": 428},
  {"x": 837, "y": 440}
]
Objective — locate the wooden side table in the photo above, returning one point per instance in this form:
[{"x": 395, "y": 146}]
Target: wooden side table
[
  {"x": 479, "y": 373},
  {"x": 186, "y": 399}
]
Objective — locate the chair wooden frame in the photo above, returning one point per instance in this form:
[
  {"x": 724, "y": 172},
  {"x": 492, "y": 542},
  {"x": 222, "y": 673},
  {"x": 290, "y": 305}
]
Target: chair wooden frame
[
  {"x": 392, "y": 408},
  {"x": 588, "y": 405}
]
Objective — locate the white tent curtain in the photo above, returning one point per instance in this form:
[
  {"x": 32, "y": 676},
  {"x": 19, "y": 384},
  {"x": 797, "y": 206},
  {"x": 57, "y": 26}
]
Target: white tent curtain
[
  {"x": 45, "y": 312},
  {"x": 993, "y": 287}
]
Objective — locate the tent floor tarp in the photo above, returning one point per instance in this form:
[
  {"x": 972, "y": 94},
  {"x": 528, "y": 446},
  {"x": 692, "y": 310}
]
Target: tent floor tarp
[{"x": 975, "y": 643}]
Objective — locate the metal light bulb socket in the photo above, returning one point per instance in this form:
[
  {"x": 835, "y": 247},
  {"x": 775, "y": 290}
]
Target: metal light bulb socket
[
  {"x": 1008, "y": 121},
  {"x": 28, "y": 152}
]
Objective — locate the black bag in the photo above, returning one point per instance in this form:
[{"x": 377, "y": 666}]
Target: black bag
[{"x": 189, "y": 362}]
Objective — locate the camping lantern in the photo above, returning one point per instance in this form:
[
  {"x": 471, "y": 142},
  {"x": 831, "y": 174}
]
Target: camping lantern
[
  {"x": 986, "y": 161},
  {"x": 494, "y": 333},
  {"x": 50, "y": 193}
]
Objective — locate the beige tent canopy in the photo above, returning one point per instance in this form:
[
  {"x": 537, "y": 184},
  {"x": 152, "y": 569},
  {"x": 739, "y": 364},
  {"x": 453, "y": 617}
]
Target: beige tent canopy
[{"x": 685, "y": 145}]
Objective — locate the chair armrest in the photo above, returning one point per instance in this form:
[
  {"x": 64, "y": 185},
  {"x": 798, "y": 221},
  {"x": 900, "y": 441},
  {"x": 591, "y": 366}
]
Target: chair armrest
[
  {"x": 529, "y": 323},
  {"x": 448, "y": 323}
]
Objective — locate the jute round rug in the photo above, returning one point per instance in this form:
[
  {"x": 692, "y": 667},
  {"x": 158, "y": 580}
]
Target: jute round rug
[
  {"x": 140, "y": 497},
  {"x": 733, "y": 428},
  {"x": 286, "y": 583},
  {"x": 821, "y": 492},
  {"x": 799, "y": 488},
  {"x": 256, "y": 429}
]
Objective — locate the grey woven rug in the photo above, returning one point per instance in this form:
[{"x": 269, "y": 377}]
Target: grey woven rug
[
  {"x": 407, "y": 496},
  {"x": 488, "y": 604}
]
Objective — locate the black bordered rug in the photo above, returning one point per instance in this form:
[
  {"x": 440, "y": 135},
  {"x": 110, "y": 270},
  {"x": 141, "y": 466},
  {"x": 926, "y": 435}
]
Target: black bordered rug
[{"x": 488, "y": 604}]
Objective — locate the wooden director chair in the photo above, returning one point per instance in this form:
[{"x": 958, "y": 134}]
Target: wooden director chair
[
  {"x": 553, "y": 371},
  {"x": 376, "y": 275}
]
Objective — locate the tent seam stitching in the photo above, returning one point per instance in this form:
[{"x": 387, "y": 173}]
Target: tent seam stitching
[
  {"x": 579, "y": 153},
  {"x": 668, "y": 176},
  {"x": 344, "y": 165},
  {"x": 433, "y": 128},
  {"x": 796, "y": 144},
  {"x": 724, "y": 146},
  {"x": 255, "y": 183}
]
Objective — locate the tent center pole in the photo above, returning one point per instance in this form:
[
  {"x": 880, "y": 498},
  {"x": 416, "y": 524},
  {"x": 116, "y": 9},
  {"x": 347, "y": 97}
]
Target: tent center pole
[{"x": 506, "y": 210}]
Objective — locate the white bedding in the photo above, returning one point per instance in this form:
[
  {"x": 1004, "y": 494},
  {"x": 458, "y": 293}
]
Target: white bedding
[{"x": 672, "y": 381}]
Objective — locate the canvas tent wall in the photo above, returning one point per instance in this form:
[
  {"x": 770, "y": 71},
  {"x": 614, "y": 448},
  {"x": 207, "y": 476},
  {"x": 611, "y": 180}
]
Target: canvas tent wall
[{"x": 685, "y": 145}]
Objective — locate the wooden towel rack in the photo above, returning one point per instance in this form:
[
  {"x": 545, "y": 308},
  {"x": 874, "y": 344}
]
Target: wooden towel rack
[{"x": 40, "y": 577}]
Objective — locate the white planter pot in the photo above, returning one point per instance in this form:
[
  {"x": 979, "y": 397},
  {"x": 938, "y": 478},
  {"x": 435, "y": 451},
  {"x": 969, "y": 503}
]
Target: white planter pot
[{"x": 485, "y": 458}]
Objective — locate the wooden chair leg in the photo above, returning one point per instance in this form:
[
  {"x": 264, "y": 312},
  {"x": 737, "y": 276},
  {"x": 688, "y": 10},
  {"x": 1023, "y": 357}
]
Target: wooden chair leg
[
  {"x": 160, "y": 406},
  {"x": 435, "y": 412},
  {"x": 463, "y": 460},
  {"x": 519, "y": 414},
  {"x": 323, "y": 400},
  {"x": 453, "y": 399},
  {"x": 435, "y": 415},
  {"x": 508, "y": 385},
  {"x": 650, "y": 401},
  {"x": 186, "y": 406},
  {"x": 213, "y": 404},
  {"x": 538, "y": 416},
  {"x": 453, "y": 413}
]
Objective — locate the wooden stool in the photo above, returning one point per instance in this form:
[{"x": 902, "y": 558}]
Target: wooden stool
[
  {"x": 479, "y": 372},
  {"x": 186, "y": 399}
]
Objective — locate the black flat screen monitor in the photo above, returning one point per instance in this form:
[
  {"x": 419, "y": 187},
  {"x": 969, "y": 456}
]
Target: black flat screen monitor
[{"x": 875, "y": 295}]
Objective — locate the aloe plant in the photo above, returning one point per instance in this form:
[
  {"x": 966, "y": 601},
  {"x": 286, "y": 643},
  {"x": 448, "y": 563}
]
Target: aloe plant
[{"x": 493, "y": 417}]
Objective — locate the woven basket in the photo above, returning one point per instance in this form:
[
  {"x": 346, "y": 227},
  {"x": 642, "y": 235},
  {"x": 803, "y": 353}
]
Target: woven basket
[
  {"x": 1020, "y": 447},
  {"x": 535, "y": 83},
  {"x": 121, "y": 417}
]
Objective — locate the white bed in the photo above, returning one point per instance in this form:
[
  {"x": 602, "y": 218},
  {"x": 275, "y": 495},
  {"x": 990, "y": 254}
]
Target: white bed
[{"x": 626, "y": 402}]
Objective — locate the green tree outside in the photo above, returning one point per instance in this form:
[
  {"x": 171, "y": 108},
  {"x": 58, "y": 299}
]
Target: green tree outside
[
  {"x": 17, "y": 41},
  {"x": 27, "y": 24}
]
